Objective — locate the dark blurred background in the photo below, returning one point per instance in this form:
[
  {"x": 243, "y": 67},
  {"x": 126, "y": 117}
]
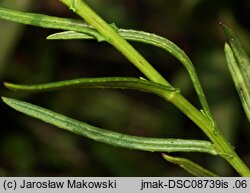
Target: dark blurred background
[{"x": 30, "y": 147}]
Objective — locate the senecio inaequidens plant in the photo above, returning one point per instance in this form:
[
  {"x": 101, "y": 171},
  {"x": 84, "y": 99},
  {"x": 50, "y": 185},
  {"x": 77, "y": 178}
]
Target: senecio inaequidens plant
[{"x": 94, "y": 27}]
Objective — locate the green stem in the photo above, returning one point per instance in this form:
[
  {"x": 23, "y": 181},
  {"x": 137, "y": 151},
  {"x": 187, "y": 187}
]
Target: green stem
[
  {"x": 214, "y": 135},
  {"x": 112, "y": 37}
]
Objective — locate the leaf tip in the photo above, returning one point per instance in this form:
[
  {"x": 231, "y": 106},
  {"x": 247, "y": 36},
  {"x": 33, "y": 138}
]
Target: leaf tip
[
  {"x": 11, "y": 86},
  {"x": 5, "y": 100},
  {"x": 7, "y": 84},
  {"x": 49, "y": 37},
  {"x": 9, "y": 101},
  {"x": 226, "y": 46},
  {"x": 228, "y": 32},
  {"x": 167, "y": 157}
]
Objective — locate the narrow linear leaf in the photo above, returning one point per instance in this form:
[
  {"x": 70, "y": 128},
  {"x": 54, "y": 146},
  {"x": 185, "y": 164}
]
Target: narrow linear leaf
[
  {"x": 50, "y": 22},
  {"x": 69, "y": 35},
  {"x": 110, "y": 137},
  {"x": 240, "y": 54},
  {"x": 239, "y": 66},
  {"x": 240, "y": 84},
  {"x": 104, "y": 82},
  {"x": 189, "y": 166}
]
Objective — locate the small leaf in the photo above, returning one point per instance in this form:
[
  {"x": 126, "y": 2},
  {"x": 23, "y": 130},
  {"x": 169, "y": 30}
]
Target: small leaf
[
  {"x": 69, "y": 35},
  {"x": 104, "y": 82},
  {"x": 110, "y": 137},
  {"x": 238, "y": 79},
  {"x": 51, "y": 22},
  {"x": 239, "y": 66},
  {"x": 190, "y": 166},
  {"x": 240, "y": 54}
]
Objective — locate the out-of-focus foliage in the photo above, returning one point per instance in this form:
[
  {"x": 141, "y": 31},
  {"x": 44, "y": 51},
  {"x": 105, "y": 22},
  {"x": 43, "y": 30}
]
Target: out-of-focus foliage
[{"x": 26, "y": 145}]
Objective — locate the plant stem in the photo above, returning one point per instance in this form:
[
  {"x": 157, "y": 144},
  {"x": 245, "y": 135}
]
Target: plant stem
[
  {"x": 112, "y": 37},
  {"x": 177, "y": 99},
  {"x": 215, "y": 135}
]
